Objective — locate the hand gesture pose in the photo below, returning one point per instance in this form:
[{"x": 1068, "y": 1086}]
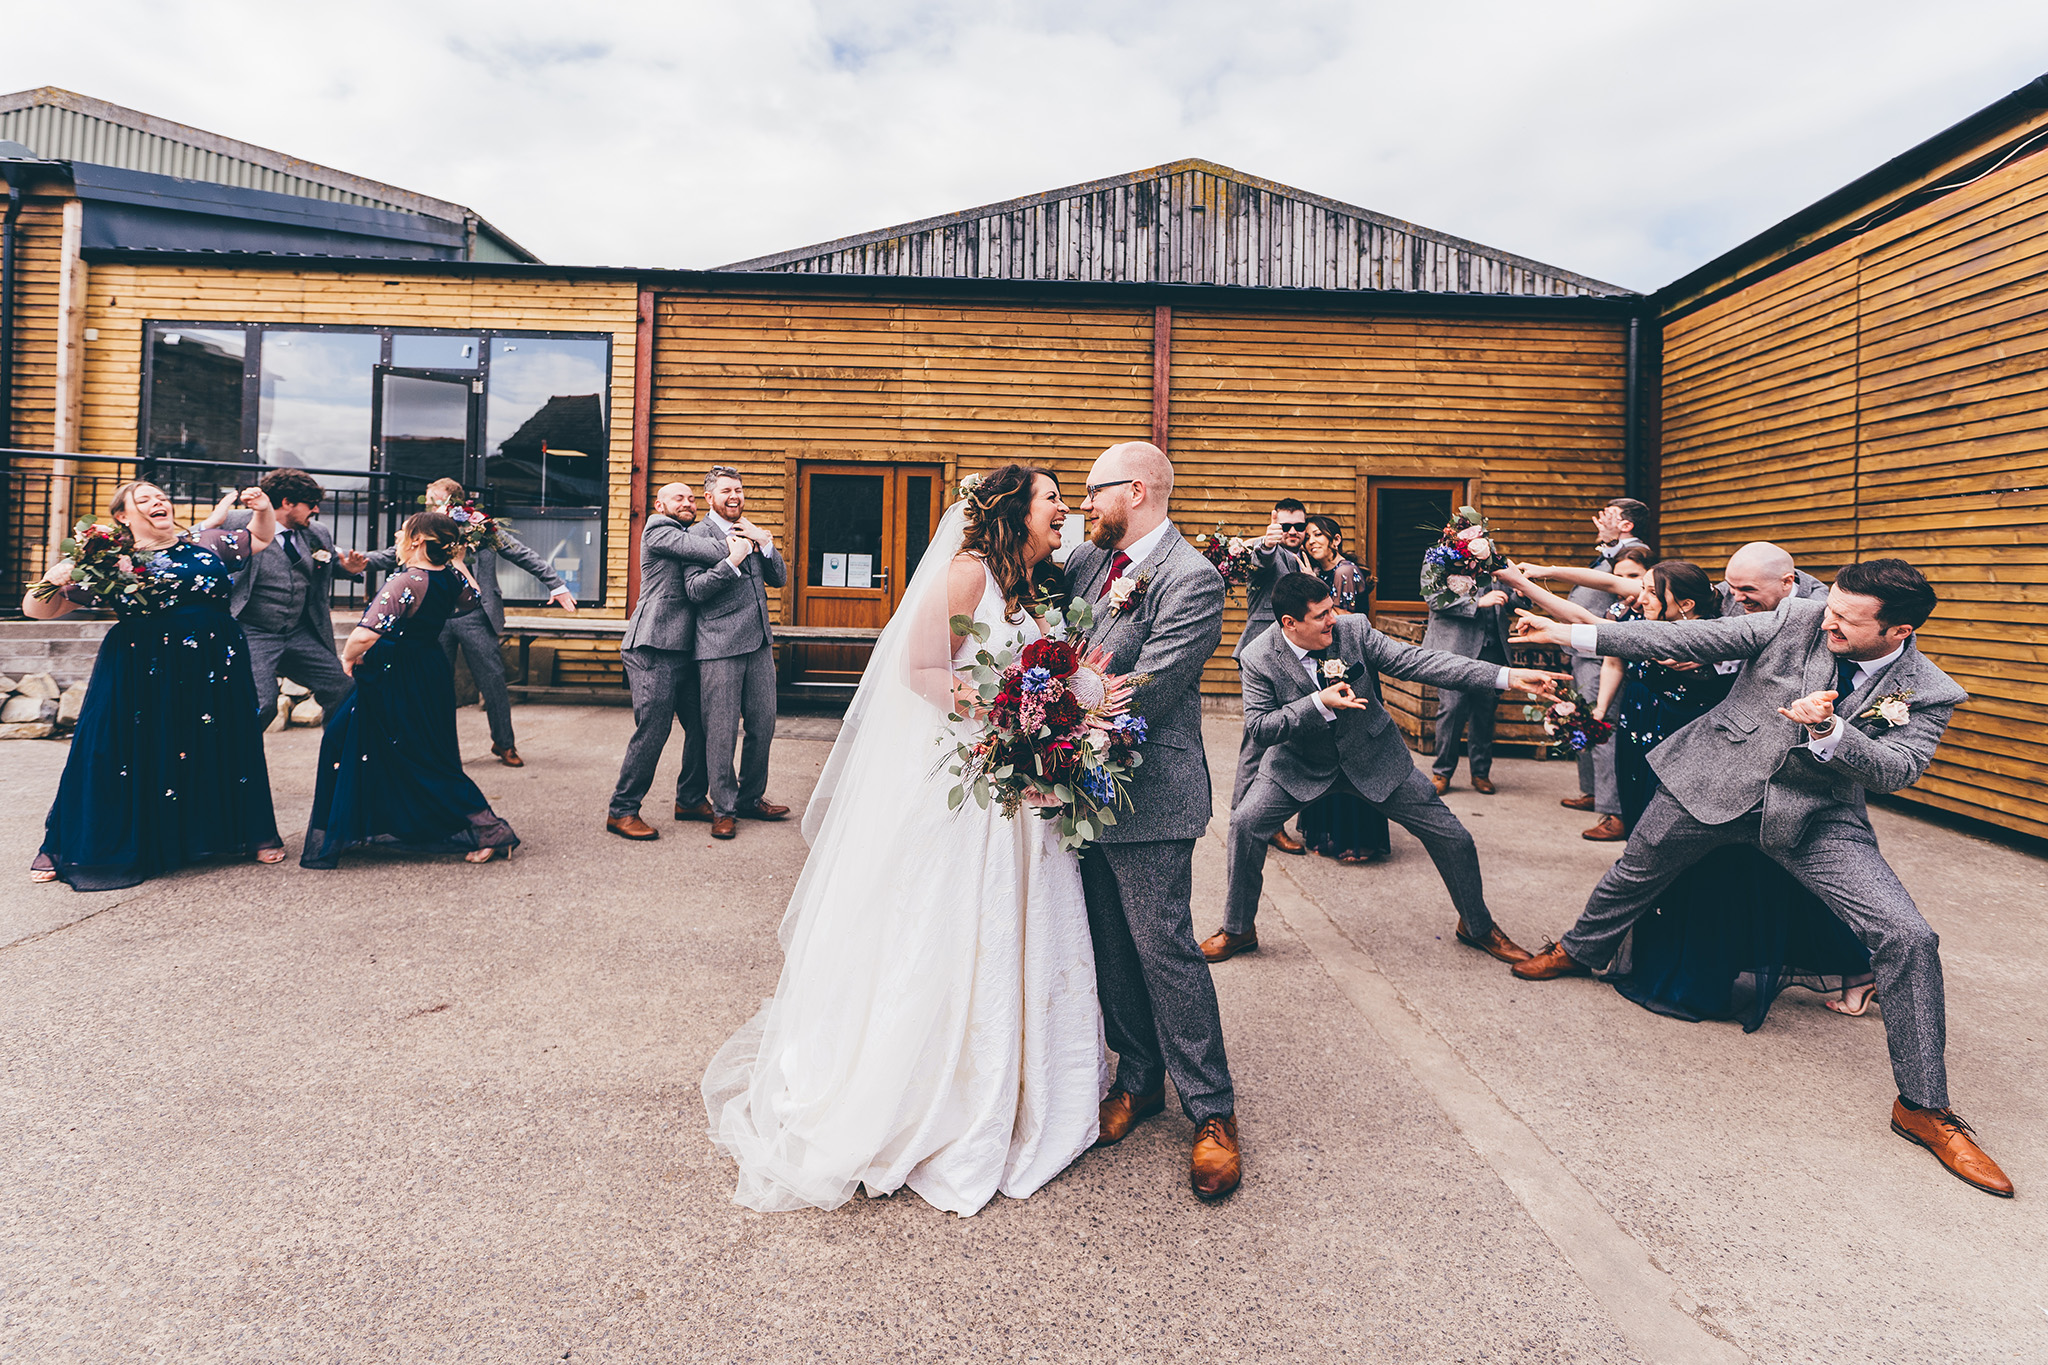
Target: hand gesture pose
[
  {"x": 1272, "y": 536},
  {"x": 355, "y": 561},
  {"x": 563, "y": 599},
  {"x": 1536, "y": 682},
  {"x": 1496, "y": 598},
  {"x": 1541, "y": 629},
  {"x": 255, "y": 499},
  {"x": 738, "y": 545},
  {"x": 746, "y": 527},
  {"x": 1340, "y": 697},
  {"x": 1815, "y": 710}
]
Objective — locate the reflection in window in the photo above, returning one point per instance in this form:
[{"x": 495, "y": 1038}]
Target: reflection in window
[
  {"x": 195, "y": 394},
  {"x": 572, "y": 546},
  {"x": 410, "y": 351},
  {"x": 546, "y": 423},
  {"x": 314, "y": 412}
]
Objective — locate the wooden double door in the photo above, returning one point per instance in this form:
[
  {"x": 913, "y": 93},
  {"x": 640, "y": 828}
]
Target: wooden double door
[{"x": 862, "y": 530}]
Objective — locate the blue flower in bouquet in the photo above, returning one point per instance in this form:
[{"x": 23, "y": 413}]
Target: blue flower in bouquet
[
  {"x": 1096, "y": 783},
  {"x": 1035, "y": 679},
  {"x": 1442, "y": 555},
  {"x": 1131, "y": 726},
  {"x": 459, "y": 514}
]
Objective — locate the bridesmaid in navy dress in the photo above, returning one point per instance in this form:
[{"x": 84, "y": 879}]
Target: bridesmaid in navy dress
[
  {"x": 390, "y": 768},
  {"x": 1737, "y": 929},
  {"x": 166, "y": 765}
]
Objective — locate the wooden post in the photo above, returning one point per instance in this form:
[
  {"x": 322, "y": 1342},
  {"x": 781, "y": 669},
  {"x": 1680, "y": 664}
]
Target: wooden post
[
  {"x": 1162, "y": 372},
  {"x": 643, "y": 443},
  {"x": 70, "y": 369}
]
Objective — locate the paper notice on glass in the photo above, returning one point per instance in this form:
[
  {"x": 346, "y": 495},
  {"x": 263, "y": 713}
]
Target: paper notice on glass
[
  {"x": 860, "y": 571},
  {"x": 835, "y": 572}
]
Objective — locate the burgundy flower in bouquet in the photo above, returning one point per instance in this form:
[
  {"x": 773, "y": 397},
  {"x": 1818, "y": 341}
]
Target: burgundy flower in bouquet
[{"x": 1053, "y": 729}]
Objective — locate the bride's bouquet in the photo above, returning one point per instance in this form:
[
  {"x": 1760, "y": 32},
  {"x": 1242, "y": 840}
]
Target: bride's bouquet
[
  {"x": 1461, "y": 565},
  {"x": 1054, "y": 732}
]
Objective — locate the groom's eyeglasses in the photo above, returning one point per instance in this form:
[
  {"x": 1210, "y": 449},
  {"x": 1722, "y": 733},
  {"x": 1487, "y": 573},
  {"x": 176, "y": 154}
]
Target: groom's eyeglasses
[{"x": 1095, "y": 488}]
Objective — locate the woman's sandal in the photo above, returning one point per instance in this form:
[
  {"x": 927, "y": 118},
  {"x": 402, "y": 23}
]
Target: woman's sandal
[
  {"x": 1868, "y": 993},
  {"x": 42, "y": 874},
  {"x": 270, "y": 855},
  {"x": 484, "y": 855}
]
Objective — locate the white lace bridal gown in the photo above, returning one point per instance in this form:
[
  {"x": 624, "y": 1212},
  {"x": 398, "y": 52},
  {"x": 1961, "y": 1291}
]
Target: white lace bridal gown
[{"x": 936, "y": 1023}]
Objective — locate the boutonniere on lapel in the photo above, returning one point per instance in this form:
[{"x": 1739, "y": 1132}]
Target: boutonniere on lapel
[
  {"x": 1334, "y": 670},
  {"x": 1890, "y": 710},
  {"x": 1126, "y": 593},
  {"x": 322, "y": 556}
]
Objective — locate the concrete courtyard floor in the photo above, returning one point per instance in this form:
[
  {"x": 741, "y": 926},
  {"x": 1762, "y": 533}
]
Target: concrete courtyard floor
[{"x": 418, "y": 1111}]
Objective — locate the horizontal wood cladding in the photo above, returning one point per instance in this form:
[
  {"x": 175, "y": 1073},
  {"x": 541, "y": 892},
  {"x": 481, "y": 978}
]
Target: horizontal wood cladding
[
  {"x": 1186, "y": 226},
  {"x": 121, "y": 297},
  {"x": 1265, "y": 407},
  {"x": 38, "y": 265},
  {"x": 1885, "y": 397}
]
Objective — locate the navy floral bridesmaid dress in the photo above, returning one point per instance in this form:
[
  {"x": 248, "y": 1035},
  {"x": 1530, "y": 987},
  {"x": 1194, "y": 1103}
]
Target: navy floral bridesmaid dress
[
  {"x": 390, "y": 767},
  {"x": 166, "y": 765}
]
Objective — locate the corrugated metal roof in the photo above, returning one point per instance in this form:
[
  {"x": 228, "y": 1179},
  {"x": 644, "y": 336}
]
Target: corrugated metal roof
[
  {"x": 61, "y": 125},
  {"x": 1187, "y": 222}
]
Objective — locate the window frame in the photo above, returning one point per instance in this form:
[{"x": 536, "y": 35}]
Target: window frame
[{"x": 1463, "y": 491}]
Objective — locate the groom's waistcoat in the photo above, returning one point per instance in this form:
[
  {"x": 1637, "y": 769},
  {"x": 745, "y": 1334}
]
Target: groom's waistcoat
[{"x": 1168, "y": 633}]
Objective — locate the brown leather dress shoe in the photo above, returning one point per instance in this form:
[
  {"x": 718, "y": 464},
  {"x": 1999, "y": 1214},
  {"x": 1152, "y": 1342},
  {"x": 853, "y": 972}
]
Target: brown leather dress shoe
[
  {"x": 1941, "y": 1132},
  {"x": 701, "y": 811},
  {"x": 1610, "y": 830},
  {"x": 1580, "y": 802},
  {"x": 1440, "y": 782},
  {"x": 1286, "y": 842},
  {"x": 631, "y": 827},
  {"x": 1214, "y": 1166},
  {"x": 509, "y": 756},
  {"x": 1123, "y": 1111},
  {"x": 1483, "y": 785},
  {"x": 1553, "y": 961},
  {"x": 724, "y": 827},
  {"x": 1495, "y": 943},
  {"x": 1223, "y": 945},
  {"x": 763, "y": 810}
]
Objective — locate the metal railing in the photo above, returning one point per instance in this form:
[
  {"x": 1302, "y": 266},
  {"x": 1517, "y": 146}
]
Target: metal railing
[{"x": 43, "y": 493}]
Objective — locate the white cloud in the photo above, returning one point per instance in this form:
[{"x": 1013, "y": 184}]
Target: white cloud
[{"x": 1626, "y": 141}]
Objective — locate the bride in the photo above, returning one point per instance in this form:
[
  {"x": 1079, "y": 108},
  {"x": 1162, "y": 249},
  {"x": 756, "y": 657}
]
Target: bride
[{"x": 935, "y": 1025}]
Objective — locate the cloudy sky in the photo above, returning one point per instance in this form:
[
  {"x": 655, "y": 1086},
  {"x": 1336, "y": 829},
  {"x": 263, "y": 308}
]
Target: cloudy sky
[{"x": 1628, "y": 141}]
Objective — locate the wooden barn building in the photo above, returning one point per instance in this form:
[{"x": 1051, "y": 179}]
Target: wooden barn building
[{"x": 1275, "y": 342}]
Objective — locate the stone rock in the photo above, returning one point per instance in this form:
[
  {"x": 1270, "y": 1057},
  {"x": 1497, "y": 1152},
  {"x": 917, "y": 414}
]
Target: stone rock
[
  {"x": 279, "y": 721},
  {"x": 25, "y": 708},
  {"x": 40, "y": 685},
  {"x": 308, "y": 712},
  {"x": 292, "y": 689},
  {"x": 33, "y": 729},
  {"x": 70, "y": 704},
  {"x": 6, "y": 685}
]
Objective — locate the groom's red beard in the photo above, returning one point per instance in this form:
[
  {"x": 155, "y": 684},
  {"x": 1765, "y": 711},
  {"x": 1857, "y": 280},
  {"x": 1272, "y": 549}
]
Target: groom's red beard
[{"x": 1109, "y": 529}]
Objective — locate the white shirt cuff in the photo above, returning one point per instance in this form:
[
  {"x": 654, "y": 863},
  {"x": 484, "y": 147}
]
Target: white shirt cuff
[
  {"x": 1317, "y": 698},
  {"x": 1823, "y": 748},
  {"x": 1727, "y": 666},
  {"x": 1500, "y": 683},
  {"x": 1585, "y": 638}
]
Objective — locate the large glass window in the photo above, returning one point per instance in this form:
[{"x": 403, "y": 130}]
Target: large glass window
[
  {"x": 314, "y": 407},
  {"x": 546, "y": 423},
  {"x": 195, "y": 394}
]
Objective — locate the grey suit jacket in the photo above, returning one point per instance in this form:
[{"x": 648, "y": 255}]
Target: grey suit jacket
[
  {"x": 1592, "y": 599},
  {"x": 1168, "y": 635},
  {"x": 1464, "y": 629},
  {"x": 483, "y": 566},
  {"x": 1258, "y": 613},
  {"x": 1804, "y": 584},
  {"x": 732, "y": 603},
  {"x": 319, "y": 612},
  {"x": 665, "y": 617},
  {"x": 1743, "y": 752},
  {"x": 1306, "y": 752}
]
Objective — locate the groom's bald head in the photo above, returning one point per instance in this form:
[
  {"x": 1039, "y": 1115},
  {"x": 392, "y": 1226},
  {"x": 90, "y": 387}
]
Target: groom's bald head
[{"x": 1133, "y": 484}]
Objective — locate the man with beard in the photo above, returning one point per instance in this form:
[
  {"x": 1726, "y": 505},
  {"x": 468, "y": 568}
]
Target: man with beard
[{"x": 661, "y": 669}]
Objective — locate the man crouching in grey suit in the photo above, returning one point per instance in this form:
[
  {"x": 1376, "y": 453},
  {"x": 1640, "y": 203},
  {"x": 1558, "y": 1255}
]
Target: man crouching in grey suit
[
  {"x": 1322, "y": 734},
  {"x": 1158, "y": 1003},
  {"x": 1780, "y": 765},
  {"x": 661, "y": 671}
]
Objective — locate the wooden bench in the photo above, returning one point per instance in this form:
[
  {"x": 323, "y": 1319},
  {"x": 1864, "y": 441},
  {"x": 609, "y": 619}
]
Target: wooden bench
[{"x": 538, "y": 663}]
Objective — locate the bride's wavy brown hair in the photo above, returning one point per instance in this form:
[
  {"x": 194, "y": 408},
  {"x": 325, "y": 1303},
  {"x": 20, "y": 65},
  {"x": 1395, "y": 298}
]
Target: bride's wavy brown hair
[{"x": 999, "y": 529}]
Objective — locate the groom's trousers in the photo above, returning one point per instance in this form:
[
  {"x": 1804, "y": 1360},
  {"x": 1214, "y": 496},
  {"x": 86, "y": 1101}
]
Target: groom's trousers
[
  {"x": 1158, "y": 1001},
  {"x": 1839, "y": 862},
  {"x": 1414, "y": 806}
]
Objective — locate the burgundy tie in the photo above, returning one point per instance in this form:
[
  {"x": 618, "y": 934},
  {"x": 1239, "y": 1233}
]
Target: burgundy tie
[{"x": 1118, "y": 562}]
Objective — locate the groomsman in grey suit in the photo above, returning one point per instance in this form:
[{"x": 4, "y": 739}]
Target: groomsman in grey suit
[
  {"x": 1833, "y": 701},
  {"x": 661, "y": 670},
  {"x": 1476, "y": 629},
  {"x": 1312, "y": 697},
  {"x": 1760, "y": 575},
  {"x": 476, "y": 633},
  {"x": 282, "y": 597},
  {"x": 1599, "y": 791},
  {"x": 1278, "y": 553},
  {"x": 1158, "y": 1003},
  {"x": 735, "y": 651}
]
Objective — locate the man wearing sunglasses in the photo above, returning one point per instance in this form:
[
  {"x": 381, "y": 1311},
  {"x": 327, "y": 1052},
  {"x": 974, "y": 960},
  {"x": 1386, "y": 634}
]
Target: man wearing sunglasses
[{"x": 1279, "y": 553}]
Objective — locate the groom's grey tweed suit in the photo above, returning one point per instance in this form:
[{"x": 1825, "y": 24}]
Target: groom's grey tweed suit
[
  {"x": 1158, "y": 1002},
  {"x": 1307, "y": 756},
  {"x": 1742, "y": 774}
]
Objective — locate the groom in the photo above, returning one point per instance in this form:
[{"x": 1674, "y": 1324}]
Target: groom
[
  {"x": 1833, "y": 701},
  {"x": 1158, "y": 1003}
]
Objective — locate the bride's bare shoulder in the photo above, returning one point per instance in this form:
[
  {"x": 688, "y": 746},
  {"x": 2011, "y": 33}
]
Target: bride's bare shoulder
[{"x": 966, "y": 580}]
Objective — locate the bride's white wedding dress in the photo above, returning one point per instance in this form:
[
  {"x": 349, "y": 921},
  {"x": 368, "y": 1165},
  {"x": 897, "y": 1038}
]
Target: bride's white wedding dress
[{"x": 936, "y": 1023}]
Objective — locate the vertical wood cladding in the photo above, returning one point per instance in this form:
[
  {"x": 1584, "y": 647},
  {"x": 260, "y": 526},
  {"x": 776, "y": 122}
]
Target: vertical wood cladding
[
  {"x": 1885, "y": 397},
  {"x": 39, "y": 266},
  {"x": 122, "y": 297}
]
